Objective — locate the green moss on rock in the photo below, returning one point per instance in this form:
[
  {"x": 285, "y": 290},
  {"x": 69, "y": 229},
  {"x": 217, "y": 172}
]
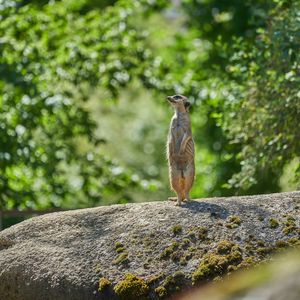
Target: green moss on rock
[
  {"x": 224, "y": 247},
  {"x": 260, "y": 243},
  {"x": 121, "y": 259},
  {"x": 281, "y": 244},
  {"x": 183, "y": 261},
  {"x": 192, "y": 235},
  {"x": 185, "y": 242},
  {"x": 118, "y": 244},
  {"x": 132, "y": 287},
  {"x": 192, "y": 249},
  {"x": 120, "y": 249},
  {"x": 250, "y": 248},
  {"x": 177, "y": 229},
  {"x": 294, "y": 241},
  {"x": 168, "y": 251},
  {"x": 175, "y": 283},
  {"x": 149, "y": 240},
  {"x": 247, "y": 263},
  {"x": 5, "y": 243},
  {"x": 235, "y": 257},
  {"x": 208, "y": 268},
  {"x": 289, "y": 229},
  {"x": 231, "y": 268},
  {"x": 155, "y": 278},
  {"x": 235, "y": 219},
  {"x": 202, "y": 233},
  {"x": 199, "y": 232},
  {"x": 161, "y": 292},
  {"x": 233, "y": 222},
  {"x": 263, "y": 251},
  {"x": 290, "y": 225},
  {"x": 273, "y": 223},
  {"x": 104, "y": 284},
  {"x": 216, "y": 263},
  {"x": 176, "y": 256}
]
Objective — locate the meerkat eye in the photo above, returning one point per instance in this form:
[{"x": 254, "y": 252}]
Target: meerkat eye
[{"x": 177, "y": 97}]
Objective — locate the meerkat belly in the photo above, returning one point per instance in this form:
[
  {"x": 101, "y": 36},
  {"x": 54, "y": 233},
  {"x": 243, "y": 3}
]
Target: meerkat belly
[
  {"x": 183, "y": 153},
  {"x": 178, "y": 138},
  {"x": 182, "y": 166}
]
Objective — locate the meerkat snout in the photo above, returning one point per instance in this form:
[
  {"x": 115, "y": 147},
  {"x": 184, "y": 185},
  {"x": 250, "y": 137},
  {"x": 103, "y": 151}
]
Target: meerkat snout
[{"x": 180, "y": 149}]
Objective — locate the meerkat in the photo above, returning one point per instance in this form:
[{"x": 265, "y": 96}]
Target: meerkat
[{"x": 180, "y": 149}]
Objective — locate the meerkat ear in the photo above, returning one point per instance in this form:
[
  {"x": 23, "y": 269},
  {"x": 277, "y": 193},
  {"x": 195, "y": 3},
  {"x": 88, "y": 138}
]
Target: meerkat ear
[{"x": 187, "y": 104}]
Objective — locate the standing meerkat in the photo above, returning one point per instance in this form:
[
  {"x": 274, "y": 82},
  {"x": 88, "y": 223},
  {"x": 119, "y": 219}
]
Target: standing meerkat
[{"x": 180, "y": 149}]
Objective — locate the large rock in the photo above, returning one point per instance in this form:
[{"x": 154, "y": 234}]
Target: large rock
[{"x": 63, "y": 255}]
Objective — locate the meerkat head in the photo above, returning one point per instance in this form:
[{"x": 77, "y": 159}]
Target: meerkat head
[{"x": 179, "y": 101}]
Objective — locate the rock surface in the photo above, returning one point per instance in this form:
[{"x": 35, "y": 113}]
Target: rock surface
[{"x": 63, "y": 255}]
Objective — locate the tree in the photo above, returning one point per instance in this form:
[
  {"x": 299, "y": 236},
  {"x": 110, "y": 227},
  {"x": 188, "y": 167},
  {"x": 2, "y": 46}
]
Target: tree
[
  {"x": 50, "y": 59},
  {"x": 263, "y": 115}
]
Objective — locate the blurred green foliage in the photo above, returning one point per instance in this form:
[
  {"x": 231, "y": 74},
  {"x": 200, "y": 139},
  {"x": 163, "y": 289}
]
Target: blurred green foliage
[
  {"x": 263, "y": 115},
  {"x": 82, "y": 113},
  {"x": 50, "y": 60}
]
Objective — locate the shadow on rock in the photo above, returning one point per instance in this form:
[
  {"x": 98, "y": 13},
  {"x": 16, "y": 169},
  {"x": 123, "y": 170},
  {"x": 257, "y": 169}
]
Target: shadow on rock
[{"x": 216, "y": 211}]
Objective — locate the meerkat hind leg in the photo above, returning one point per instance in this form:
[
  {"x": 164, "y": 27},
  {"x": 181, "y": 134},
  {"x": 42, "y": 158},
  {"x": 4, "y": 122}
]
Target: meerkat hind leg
[
  {"x": 187, "y": 197},
  {"x": 179, "y": 199},
  {"x": 178, "y": 202}
]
